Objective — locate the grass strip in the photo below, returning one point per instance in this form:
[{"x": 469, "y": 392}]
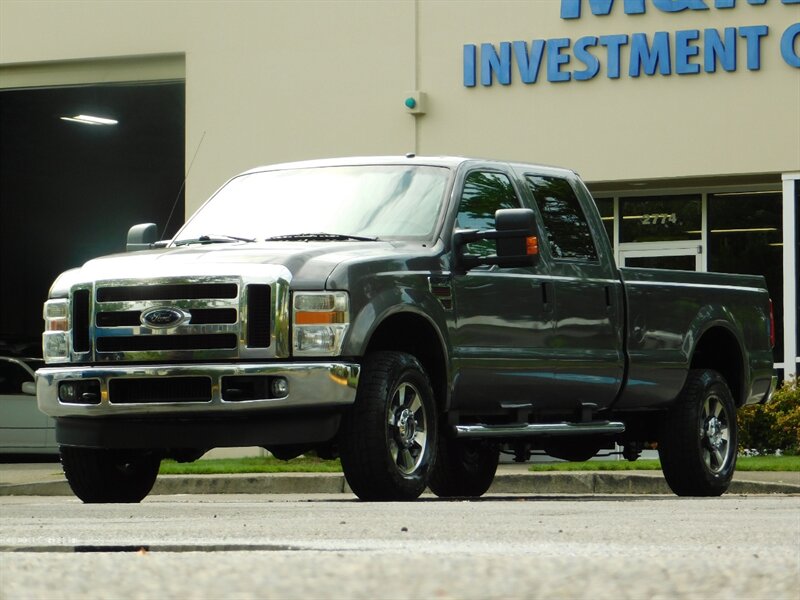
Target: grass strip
[
  {"x": 311, "y": 464},
  {"x": 254, "y": 464},
  {"x": 743, "y": 463}
]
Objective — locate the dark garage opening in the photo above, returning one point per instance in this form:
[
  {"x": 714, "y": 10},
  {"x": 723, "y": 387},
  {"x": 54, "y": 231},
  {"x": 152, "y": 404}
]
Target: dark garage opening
[{"x": 70, "y": 190}]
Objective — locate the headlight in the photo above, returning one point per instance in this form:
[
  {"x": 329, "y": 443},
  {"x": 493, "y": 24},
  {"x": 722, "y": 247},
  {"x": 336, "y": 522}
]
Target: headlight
[
  {"x": 319, "y": 322},
  {"x": 55, "y": 341}
]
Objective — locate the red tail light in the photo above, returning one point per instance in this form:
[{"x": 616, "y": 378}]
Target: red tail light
[{"x": 771, "y": 325}]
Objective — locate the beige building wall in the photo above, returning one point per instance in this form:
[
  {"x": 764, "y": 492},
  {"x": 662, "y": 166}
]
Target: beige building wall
[{"x": 276, "y": 81}]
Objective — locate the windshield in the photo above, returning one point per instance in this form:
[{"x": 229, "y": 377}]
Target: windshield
[{"x": 371, "y": 201}]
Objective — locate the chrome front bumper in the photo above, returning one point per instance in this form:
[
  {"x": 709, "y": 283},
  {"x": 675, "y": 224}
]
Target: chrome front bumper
[{"x": 310, "y": 384}]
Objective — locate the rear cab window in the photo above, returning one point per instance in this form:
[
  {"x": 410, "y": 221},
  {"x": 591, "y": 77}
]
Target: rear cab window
[{"x": 566, "y": 229}]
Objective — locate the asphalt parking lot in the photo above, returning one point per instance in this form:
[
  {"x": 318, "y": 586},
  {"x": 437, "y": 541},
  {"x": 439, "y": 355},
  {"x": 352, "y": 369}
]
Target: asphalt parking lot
[{"x": 333, "y": 546}]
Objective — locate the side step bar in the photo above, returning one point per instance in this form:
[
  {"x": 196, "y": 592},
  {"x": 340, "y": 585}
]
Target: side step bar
[{"x": 534, "y": 429}]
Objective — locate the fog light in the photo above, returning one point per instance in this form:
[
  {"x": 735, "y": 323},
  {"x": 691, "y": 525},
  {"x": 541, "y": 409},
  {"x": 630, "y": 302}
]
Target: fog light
[
  {"x": 279, "y": 387},
  {"x": 68, "y": 392},
  {"x": 85, "y": 391}
]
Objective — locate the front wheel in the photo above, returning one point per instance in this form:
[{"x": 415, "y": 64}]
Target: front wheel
[
  {"x": 104, "y": 476},
  {"x": 387, "y": 440},
  {"x": 698, "y": 442}
]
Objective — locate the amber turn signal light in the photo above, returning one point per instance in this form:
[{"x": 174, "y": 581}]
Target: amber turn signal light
[{"x": 531, "y": 245}]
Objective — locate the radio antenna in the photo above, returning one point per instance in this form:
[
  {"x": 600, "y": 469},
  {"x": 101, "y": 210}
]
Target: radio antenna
[{"x": 183, "y": 185}]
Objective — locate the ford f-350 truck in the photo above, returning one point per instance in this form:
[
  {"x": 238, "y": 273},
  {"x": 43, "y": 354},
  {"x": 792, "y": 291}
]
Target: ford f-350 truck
[{"x": 414, "y": 316}]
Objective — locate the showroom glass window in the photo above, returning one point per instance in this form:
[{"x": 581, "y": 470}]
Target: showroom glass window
[
  {"x": 745, "y": 236},
  {"x": 661, "y": 218}
]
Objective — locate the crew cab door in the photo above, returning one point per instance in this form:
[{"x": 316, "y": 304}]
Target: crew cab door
[
  {"x": 588, "y": 346},
  {"x": 504, "y": 319}
]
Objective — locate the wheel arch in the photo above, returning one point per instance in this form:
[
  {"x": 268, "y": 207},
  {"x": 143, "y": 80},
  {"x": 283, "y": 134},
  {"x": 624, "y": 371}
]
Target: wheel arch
[
  {"x": 415, "y": 334},
  {"x": 719, "y": 348}
]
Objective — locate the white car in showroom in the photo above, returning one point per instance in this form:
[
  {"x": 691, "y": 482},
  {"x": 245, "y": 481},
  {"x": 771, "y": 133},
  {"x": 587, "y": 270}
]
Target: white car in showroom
[{"x": 24, "y": 429}]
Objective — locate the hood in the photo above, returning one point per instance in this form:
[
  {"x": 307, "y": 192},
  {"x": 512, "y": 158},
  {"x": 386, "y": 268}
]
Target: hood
[{"x": 309, "y": 263}]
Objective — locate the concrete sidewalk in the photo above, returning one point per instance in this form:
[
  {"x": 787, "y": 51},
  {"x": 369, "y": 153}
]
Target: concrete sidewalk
[{"x": 47, "y": 479}]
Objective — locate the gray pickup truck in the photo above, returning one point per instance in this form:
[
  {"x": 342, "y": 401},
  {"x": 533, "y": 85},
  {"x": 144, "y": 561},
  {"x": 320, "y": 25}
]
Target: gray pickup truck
[{"x": 414, "y": 316}]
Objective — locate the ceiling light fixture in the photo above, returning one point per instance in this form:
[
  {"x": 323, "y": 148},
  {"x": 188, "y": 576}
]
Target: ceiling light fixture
[
  {"x": 90, "y": 120},
  {"x": 750, "y": 230}
]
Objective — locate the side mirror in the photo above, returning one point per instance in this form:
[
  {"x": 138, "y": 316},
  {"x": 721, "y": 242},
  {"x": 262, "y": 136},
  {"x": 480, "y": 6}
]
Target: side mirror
[
  {"x": 141, "y": 237},
  {"x": 29, "y": 388},
  {"x": 517, "y": 242}
]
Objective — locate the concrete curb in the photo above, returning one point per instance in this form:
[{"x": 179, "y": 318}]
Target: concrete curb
[{"x": 600, "y": 483}]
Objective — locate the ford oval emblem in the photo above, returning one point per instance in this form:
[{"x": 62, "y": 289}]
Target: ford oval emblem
[{"x": 163, "y": 317}]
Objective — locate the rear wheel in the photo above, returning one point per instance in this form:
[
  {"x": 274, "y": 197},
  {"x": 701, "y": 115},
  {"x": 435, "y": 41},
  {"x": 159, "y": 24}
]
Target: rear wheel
[
  {"x": 105, "y": 476},
  {"x": 698, "y": 442},
  {"x": 463, "y": 468},
  {"x": 387, "y": 439}
]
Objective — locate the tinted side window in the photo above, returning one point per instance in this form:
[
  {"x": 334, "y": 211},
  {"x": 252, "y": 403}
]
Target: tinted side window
[
  {"x": 484, "y": 193},
  {"x": 564, "y": 220}
]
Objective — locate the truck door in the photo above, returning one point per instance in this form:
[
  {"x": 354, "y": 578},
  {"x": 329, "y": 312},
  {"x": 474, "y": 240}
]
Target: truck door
[
  {"x": 589, "y": 313},
  {"x": 503, "y": 318}
]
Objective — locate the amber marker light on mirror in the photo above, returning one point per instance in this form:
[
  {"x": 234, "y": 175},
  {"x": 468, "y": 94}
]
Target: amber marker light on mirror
[{"x": 531, "y": 245}]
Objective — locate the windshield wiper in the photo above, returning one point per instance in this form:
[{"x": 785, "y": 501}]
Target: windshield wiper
[
  {"x": 334, "y": 237},
  {"x": 213, "y": 239}
]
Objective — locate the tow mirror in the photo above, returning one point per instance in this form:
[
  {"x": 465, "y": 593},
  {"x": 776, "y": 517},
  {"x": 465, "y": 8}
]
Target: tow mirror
[
  {"x": 520, "y": 241},
  {"x": 141, "y": 237},
  {"x": 517, "y": 242}
]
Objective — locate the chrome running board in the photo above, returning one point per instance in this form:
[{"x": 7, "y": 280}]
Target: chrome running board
[{"x": 535, "y": 429}]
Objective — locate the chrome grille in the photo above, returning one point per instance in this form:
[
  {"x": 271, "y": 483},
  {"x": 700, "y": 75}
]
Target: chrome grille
[{"x": 197, "y": 318}]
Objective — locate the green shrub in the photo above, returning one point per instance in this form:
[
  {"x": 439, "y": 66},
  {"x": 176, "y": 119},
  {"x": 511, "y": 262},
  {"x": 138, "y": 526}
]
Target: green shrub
[{"x": 773, "y": 426}]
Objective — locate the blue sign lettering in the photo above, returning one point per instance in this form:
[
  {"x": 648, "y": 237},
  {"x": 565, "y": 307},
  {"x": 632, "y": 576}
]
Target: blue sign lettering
[
  {"x": 753, "y": 35},
  {"x": 650, "y": 57},
  {"x": 528, "y": 62},
  {"x": 491, "y": 62},
  {"x": 715, "y": 50},
  {"x": 789, "y": 45},
  {"x": 555, "y": 58},
  {"x": 583, "y": 55},
  {"x": 469, "y": 65},
  {"x": 684, "y": 50},
  {"x": 672, "y": 6},
  {"x": 571, "y": 9},
  {"x": 664, "y": 53},
  {"x": 613, "y": 43}
]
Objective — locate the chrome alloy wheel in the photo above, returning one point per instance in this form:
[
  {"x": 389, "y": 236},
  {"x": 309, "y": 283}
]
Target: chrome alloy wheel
[
  {"x": 408, "y": 428},
  {"x": 715, "y": 434}
]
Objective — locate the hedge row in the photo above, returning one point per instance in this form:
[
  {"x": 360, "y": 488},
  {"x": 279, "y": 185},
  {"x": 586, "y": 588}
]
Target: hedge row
[{"x": 773, "y": 426}]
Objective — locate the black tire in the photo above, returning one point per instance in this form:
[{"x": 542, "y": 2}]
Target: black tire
[
  {"x": 463, "y": 468},
  {"x": 105, "y": 476},
  {"x": 387, "y": 439},
  {"x": 698, "y": 442}
]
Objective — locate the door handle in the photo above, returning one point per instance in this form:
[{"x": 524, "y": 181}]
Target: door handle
[
  {"x": 548, "y": 296},
  {"x": 609, "y": 298}
]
